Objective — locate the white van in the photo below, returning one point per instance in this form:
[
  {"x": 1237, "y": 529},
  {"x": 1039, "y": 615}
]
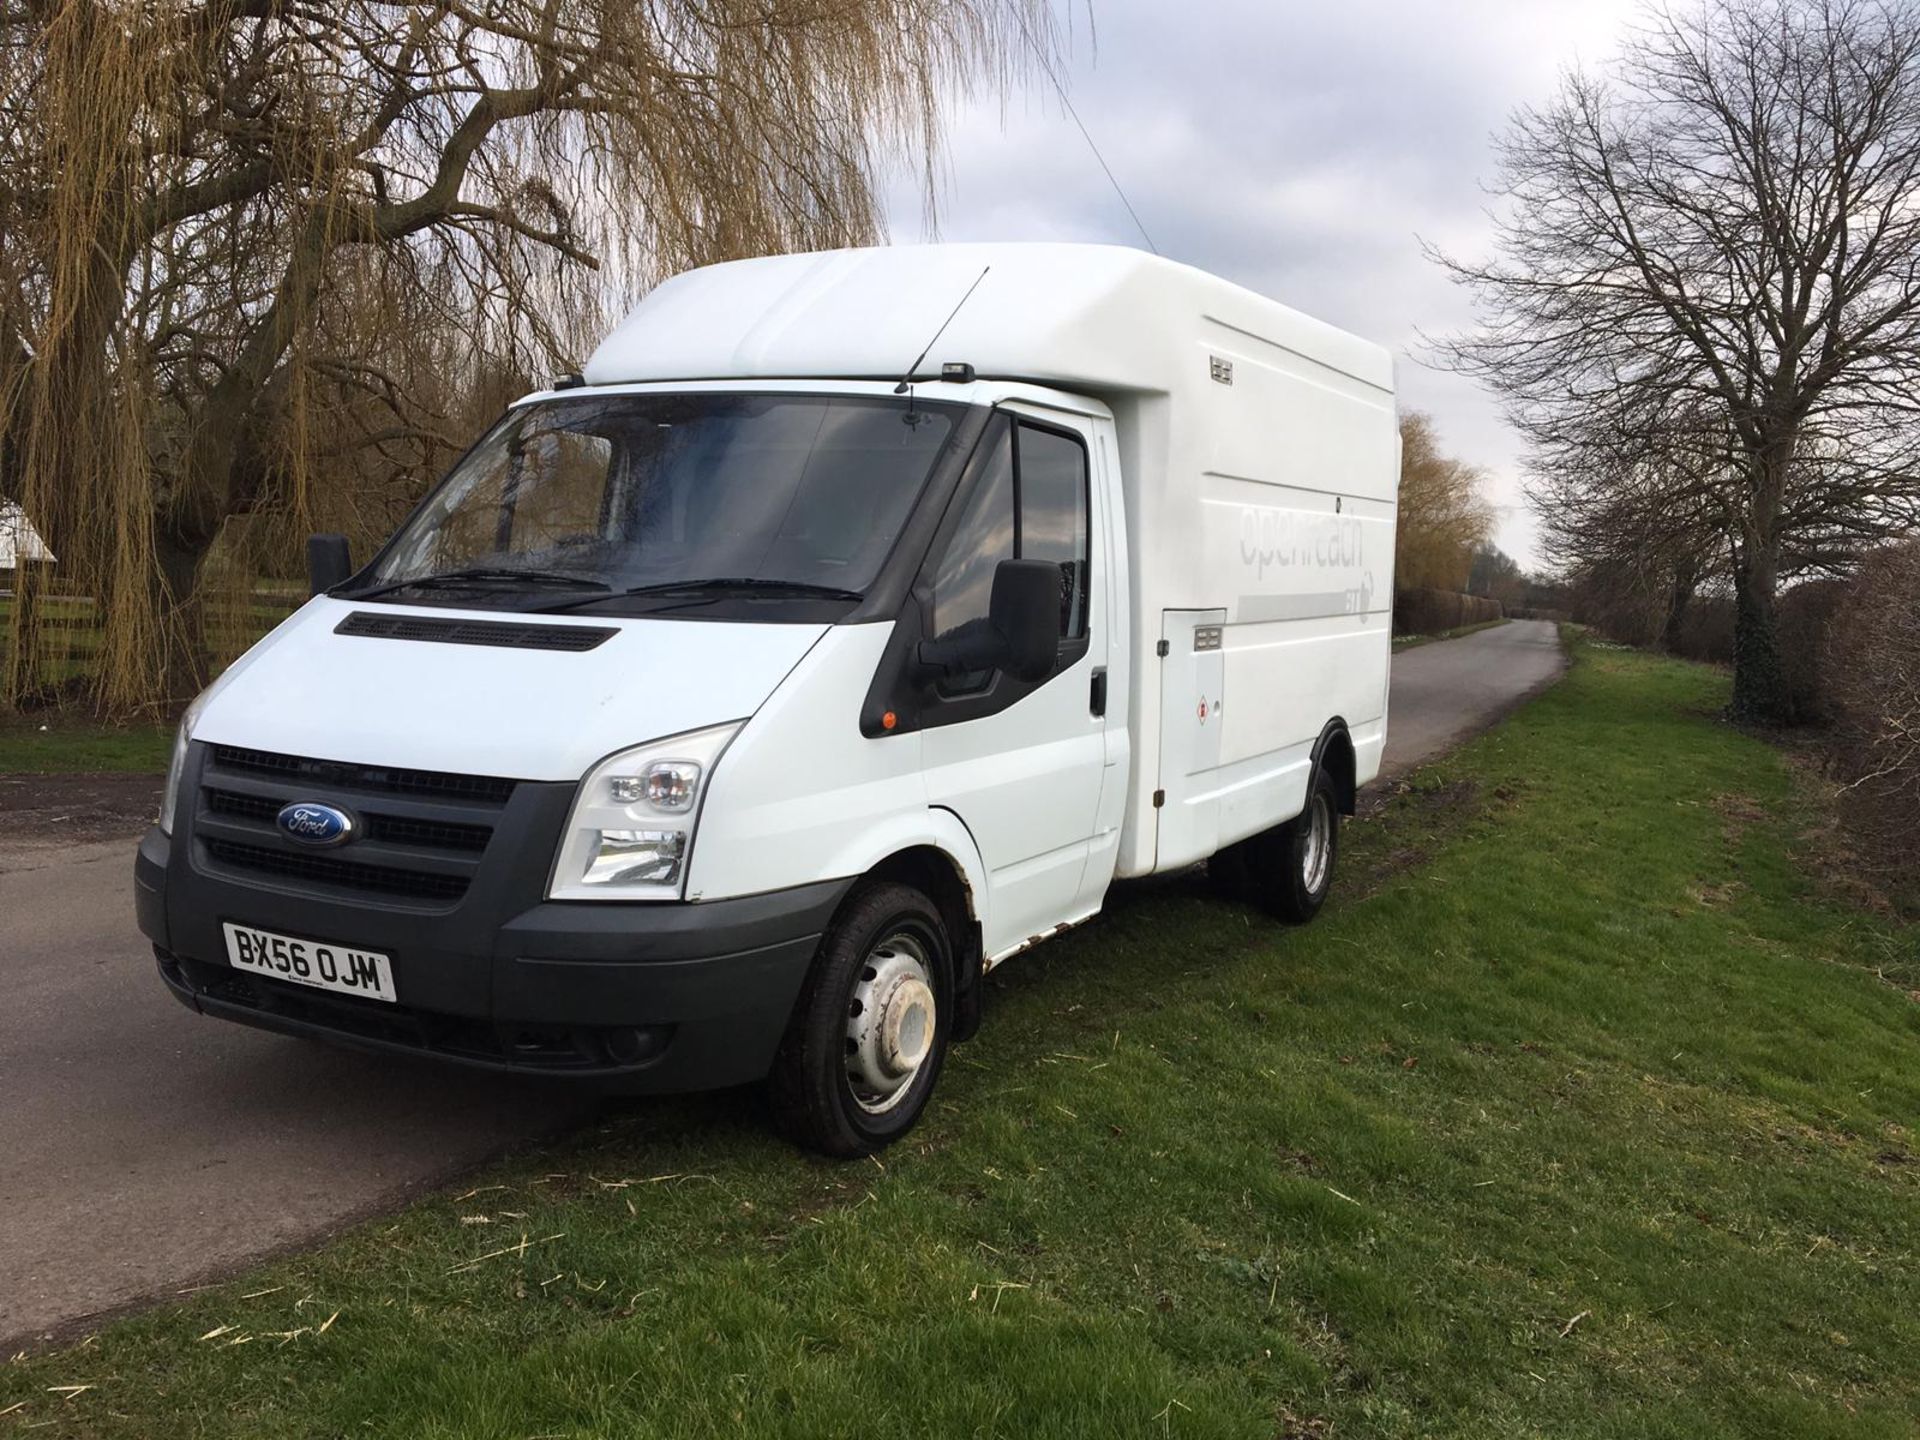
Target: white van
[{"x": 729, "y": 710}]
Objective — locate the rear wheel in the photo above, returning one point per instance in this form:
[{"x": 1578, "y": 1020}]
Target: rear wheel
[
  {"x": 870, "y": 1031},
  {"x": 1290, "y": 867}
]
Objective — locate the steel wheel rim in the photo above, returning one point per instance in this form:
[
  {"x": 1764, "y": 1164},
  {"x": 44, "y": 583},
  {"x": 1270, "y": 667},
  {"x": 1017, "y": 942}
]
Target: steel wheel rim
[
  {"x": 892, "y": 1018},
  {"x": 1319, "y": 850}
]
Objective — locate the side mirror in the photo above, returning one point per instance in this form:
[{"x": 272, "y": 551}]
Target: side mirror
[
  {"x": 329, "y": 562},
  {"x": 1020, "y": 634},
  {"x": 1025, "y": 609}
]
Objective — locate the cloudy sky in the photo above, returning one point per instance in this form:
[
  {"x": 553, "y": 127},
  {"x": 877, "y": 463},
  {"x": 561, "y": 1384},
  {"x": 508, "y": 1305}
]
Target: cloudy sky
[{"x": 1303, "y": 150}]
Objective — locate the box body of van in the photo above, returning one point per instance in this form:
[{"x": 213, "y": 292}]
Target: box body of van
[{"x": 730, "y": 710}]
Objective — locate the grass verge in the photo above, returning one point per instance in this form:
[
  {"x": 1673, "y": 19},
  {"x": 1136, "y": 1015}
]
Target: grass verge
[
  {"x": 57, "y": 743},
  {"x": 1414, "y": 642},
  {"x": 1589, "y": 1117}
]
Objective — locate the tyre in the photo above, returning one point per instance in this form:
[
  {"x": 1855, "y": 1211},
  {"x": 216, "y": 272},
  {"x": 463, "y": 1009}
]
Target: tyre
[
  {"x": 1290, "y": 867},
  {"x": 869, "y": 1033}
]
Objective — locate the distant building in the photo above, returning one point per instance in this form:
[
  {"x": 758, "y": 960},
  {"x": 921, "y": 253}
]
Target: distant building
[{"x": 18, "y": 539}]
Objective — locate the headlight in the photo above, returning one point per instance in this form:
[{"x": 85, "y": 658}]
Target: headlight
[
  {"x": 177, "y": 766},
  {"x": 630, "y": 835}
]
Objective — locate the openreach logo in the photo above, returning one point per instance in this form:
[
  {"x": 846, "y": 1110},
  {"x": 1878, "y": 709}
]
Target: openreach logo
[{"x": 1287, "y": 539}]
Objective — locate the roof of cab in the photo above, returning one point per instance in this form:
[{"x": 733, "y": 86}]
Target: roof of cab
[{"x": 1083, "y": 317}]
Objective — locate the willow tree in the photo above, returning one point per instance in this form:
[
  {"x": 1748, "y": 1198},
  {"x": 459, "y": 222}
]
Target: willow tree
[
  {"x": 257, "y": 256},
  {"x": 1725, "y": 226},
  {"x": 1443, "y": 517}
]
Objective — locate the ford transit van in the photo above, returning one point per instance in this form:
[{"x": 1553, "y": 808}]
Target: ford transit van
[{"x": 850, "y": 625}]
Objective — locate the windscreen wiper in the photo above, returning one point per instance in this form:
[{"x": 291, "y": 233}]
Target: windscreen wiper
[
  {"x": 715, "y": 589},
  {"x": 484, "y": 574}
]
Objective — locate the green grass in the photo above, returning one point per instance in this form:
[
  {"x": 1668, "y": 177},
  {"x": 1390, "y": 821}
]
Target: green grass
[
  {"x": 1414, "y": 642},
  {"x": 54, "y": 742},
  {"x": 1590, "y": 1119}
]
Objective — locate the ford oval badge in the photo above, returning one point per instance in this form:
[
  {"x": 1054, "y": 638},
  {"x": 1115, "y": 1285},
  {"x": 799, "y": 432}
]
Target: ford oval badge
[{"x": 314, "y": 824}]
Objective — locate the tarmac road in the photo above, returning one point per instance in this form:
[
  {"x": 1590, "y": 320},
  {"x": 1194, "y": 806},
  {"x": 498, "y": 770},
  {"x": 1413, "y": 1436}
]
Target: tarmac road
[
  {"x": 1451, "y": 689},
  {"x": 143, "y": 1146}
]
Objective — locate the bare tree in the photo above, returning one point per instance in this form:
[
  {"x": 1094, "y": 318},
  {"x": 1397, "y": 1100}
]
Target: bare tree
[
  {"x": 249, "y": 248},
  {"x": 1720, "y": 238},
  {"x": 1642, "y": 519}
]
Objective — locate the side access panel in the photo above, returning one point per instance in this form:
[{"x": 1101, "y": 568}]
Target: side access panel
[{"x": 1193, "y": 679}]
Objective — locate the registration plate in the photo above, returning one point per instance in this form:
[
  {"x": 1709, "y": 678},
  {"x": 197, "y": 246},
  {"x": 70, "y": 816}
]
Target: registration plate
[{"x": 318, "y": 963}]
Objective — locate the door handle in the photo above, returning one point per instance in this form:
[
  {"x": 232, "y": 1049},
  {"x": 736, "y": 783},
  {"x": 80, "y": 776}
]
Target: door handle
[{"x": 1098, "y": 700}]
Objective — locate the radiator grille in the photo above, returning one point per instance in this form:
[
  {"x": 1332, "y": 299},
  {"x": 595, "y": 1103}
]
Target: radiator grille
[
  {"x": 418, "y": 835},
  {"x": 331, "y": 870},
  {"x": 391, "y": 829},
  {"x": 365, "y": 777}
]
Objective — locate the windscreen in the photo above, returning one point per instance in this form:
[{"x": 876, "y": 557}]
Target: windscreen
[{"x": 633, "y": 491}]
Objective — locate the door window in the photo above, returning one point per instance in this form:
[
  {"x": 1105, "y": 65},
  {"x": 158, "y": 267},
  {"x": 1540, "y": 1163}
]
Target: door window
[
  {"x": 963, "y": 581},
  {"x": 1027, "y": 500},
  {"x": 1052, "y": 470}
]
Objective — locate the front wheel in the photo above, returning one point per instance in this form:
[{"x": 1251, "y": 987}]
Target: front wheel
[
  {"x": 869, "y": 1034},
  {"x": 1291, "y": 866}
]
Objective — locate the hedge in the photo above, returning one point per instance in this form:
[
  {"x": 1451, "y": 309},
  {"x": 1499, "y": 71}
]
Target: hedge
[{"x": 1431, "y": 612}]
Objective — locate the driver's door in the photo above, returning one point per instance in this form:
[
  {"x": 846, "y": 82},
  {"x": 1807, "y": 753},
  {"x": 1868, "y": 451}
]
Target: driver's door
[{"x": 1021, "y": 764}]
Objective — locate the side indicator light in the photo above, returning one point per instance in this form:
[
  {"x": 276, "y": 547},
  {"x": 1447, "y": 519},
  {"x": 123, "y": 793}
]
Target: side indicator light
[{"x": 889, "y": 720}]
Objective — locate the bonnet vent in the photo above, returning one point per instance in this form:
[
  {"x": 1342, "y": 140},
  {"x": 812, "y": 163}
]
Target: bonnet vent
[{"x": 511, "y": 635}]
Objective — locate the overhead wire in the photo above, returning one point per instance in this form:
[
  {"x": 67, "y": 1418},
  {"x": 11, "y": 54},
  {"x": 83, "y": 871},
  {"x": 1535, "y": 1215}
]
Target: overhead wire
[{"x": 1046, "y": 67}]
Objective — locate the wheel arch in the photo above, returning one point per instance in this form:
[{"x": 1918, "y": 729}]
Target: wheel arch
[
  {"x": 936, "y": 874},
  {"x": 944, "y": 865},
  {"x": 1334, "y": 753}
]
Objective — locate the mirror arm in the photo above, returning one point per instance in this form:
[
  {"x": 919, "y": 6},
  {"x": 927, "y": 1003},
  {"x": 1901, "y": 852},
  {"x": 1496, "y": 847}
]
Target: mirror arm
[{"x": 982, "y": 649}]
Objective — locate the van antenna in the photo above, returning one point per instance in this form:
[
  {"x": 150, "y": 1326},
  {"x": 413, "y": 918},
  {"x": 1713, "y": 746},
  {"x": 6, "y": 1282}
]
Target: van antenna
[{"x": 905, "y": 387}]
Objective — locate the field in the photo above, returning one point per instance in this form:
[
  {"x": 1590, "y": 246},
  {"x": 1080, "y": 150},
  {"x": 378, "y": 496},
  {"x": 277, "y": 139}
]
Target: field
[{"x": 1583, "y": 1111}]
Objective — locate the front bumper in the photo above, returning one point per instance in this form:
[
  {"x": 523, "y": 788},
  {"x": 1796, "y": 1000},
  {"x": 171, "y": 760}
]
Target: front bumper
[{"x": 658, "y": 997}]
